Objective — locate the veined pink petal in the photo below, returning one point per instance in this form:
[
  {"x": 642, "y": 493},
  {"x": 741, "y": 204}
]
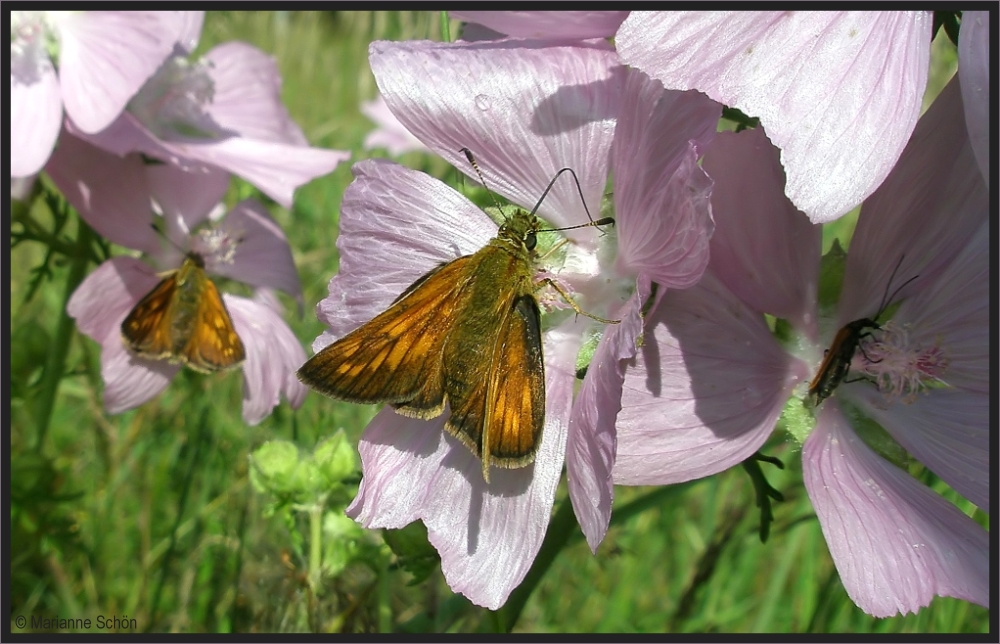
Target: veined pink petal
[
  {"x": 590, "y": 445},
  {"x": 662, "y": 206},
  {"x": 276, "y": 168},
  {"x": 896, "y": 544},
  {"x": 395, "y": 225},
  {"x": 110, "y": 192},
  {"x": 526, "y": 109},
  {"x": 487, "y": 536},
  {"x": 925, "y": 212},
  {"x": 247, "y": 95},
  {"x": 35, "y": 108},
  {"x": 764, "y": 249},
  {"x": 263, "y": 257},
  {"x": 185, "y": 198},
  {"x": 547, "y": 24},
  {"x": 390, "y": 133},
  {"x": 948, "y": 431},
  {"x": 838, "y": 93},
  {"x": 706, "y": 389},
  {"x": 273, "y": 353},
  {"x": 130, "y": 381},
  {"x": 974, "y": 74},
  {"x": 99, "y": 306},
  {"x": 953, "y": 314},
  {"x": 106, "y": 56}
]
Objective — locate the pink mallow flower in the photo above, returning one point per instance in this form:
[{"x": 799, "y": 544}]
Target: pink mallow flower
[
  {"x": 837, "y": 92},
  {"x": 117, "y": 195},
  {"x": 223, "y": 111},
  {"x": 723, "y": 379},
  {"x": 88, "y": 62},
  {"x": 526, "y": 109}
]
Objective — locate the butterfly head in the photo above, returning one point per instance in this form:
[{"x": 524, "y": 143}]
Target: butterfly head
[{"x": 520, "y": 230}]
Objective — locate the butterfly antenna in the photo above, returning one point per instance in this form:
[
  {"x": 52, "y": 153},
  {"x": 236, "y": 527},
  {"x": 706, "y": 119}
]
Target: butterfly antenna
[
  {"x": 886, "y": 298},
  {"x": 475, "y": 166},
  {"x": 579, "y": 191}
]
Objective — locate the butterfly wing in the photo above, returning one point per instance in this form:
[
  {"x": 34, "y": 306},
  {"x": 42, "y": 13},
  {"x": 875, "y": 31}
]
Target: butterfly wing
[
  {"x": 146, "y": 330},
  {"x": 500, "y": 417},
  {"x": 213, "y": 344},
  {"x": 396, "y": 356}
]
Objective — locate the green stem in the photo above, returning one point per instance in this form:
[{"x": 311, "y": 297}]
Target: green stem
[
  {"x": 445, "y": 27},
  {"x": 315, "y": 545},
  {"x": 55, "y": 363}
]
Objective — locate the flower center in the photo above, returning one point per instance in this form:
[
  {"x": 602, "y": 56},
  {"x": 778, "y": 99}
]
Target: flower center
[
  {"x": 172, "y": 102},
  {"x": 901, "y": 366}
]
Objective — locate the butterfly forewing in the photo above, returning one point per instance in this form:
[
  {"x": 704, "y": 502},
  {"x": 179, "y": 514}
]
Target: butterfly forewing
[
  {"x": 147, "y": 329},
  {"x": 213, "y": 344},
  {"x": 396, "y": 357}
]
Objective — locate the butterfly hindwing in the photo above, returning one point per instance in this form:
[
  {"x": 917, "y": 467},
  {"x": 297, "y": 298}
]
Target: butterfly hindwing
[{"x": 500, "y": 418}]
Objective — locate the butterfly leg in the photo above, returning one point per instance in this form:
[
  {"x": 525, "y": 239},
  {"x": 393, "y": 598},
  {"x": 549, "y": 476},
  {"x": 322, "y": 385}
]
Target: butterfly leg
[{"x": 576, "y": 307}]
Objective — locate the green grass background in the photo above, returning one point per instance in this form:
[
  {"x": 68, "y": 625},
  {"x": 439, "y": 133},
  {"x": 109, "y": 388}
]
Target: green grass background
[{"x": 150, "y": 514}]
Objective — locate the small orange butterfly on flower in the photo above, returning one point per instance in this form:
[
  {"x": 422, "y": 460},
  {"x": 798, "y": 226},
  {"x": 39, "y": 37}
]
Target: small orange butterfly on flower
[{"x": 184, "y": 320}]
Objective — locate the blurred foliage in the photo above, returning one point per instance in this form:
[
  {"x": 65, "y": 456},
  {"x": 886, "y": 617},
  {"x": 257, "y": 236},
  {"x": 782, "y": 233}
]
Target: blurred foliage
[{"x": 180, "y": 516}]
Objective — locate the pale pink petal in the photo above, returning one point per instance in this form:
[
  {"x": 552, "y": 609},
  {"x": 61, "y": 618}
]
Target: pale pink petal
[
  {"x": 953, "y": 314},
  {"x": 273, "y": 354},
  {"x": 390, "y": 133},
  {"x": 838, "y": 93},
  {"x": 276, "y": 168},
  {"x": 247, "y": 95},
  {"x": 896, "y": 544},
  {"x": 525, "y": 109},
  {"x": 662, "y": 206},
  {"x": 35, "y": 108},
  {"x": 590, "y": 446},
  {"x": 948, "y": 431},
  {"x": 487, "y": 535},
  {"x": 706, "y": 389},
  {"x": 764, "y": 249},
  {"x": 130, "y": 381},
  {"x": 99, "y": 306},
  {"x": 110, "y": 192},
  {"x": 395, "y": 225},
  {"x": 547, "y": 24},
  {"x": 925, "y": 212},
  {"x": 974, "y": 74},
  {"x": 186, "y": 198},
  {"x": 106, "y": 56},
  {"x": 263, "y": 257}
]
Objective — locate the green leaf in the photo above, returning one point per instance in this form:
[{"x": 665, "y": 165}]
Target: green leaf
[{"x": 415, "y": 553}]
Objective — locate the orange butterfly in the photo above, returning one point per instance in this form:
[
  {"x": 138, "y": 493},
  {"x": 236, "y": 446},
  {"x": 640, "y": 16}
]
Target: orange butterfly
[
  {"x": 468, "y": 333},
  {"x": 184, "y": 320}
]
